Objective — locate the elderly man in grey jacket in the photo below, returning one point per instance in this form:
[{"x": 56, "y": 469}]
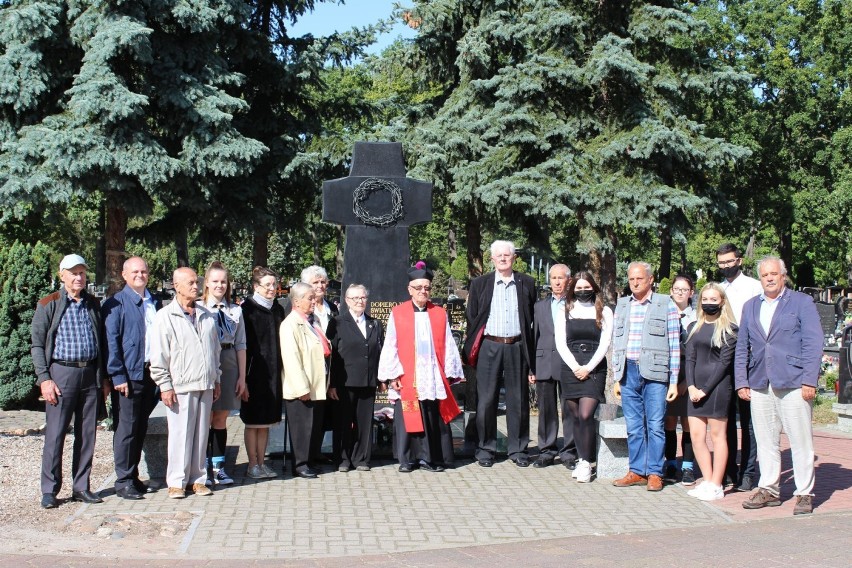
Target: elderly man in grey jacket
[{"x": 185, "y": 365}]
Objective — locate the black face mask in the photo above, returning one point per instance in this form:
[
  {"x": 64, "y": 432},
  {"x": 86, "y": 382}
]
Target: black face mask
[
  {"x": 584, "y": 295},
  {"x": 711, "y": 309},
  {"x": 730, "y": 271}
]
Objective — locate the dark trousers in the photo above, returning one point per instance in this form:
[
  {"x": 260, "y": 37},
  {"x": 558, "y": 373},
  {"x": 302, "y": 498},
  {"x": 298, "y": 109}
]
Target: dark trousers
[
  {"x": 355, "y": 424},
  {"x": 131, "y": 414},
  {"x": 79, "y": 399},
  {"x": 748, "y": 444},
  {"x": 496, "y": 361},
  {"x": 434, "y": 445},
  {"x": 305, "y": 424},
  {"x": 548, "y": 422}
]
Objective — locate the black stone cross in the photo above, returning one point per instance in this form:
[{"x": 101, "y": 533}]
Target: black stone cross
[{"x": 377, "y": 203}]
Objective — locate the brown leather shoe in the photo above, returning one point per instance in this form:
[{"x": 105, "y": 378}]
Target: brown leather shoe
[
  {"x": 804, "y": 505},
  {"x": 201, "y": 490},
  {"x": 760, "y": 499},
  {"x": 630, "y": 479},
  {"x": 655, "y": 483}
]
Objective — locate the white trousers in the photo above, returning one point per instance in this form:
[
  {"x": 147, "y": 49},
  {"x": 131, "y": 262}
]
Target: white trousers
[
  {"x": 189, "y": 427},
  {"x": 772, "y": 409}
]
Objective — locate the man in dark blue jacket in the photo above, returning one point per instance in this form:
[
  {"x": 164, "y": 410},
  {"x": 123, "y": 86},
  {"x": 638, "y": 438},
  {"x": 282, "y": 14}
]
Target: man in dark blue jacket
[{"x": 128, "y": 317}]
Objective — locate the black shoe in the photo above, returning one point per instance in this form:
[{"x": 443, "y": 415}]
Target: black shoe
[
  {"x": 485, "y": 463},
  {"x": 543, "y": 461},
  {"x": 86, "y": 497},
  {"x": 688, "y": 477},
  {"x": 307, "y": 473},
  {"x": 671, "y": 474},
  {"x": 130, "y": 492},
  {"x": 434, "y": 468},
  {"x": 407, "y": 467},
  {"x": 746, "y": 484},
  {"x": 521, "y": 462},
  {"x": 48, "y": 501},
  {"x": 570, "y": 464},
  {"x": 143, "y": 488}
]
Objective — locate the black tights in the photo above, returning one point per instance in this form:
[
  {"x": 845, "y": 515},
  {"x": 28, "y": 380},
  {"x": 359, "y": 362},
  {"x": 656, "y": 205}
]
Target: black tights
[{"x": 585, "y": 426}]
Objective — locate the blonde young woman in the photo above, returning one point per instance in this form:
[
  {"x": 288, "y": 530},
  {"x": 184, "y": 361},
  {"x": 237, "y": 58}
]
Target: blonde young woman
[
  {"x": 710, "y": 350},
  {"x": 232, "y": 338}
]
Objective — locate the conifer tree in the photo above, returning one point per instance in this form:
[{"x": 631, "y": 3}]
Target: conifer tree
[
  {"x": 560, "y": 109},
  {"x": 25, "y": 277}
]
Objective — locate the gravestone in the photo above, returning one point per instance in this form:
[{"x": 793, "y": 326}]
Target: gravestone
[{"x": 377, "y": 203}]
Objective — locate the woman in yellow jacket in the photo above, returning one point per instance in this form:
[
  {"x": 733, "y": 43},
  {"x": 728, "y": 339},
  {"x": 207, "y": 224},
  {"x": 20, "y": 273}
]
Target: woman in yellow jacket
[{"x": 304, "y": 352}]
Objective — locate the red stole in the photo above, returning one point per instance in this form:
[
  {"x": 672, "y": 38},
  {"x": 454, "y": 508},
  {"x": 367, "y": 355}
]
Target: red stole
[{"x": 403, "y": 319}]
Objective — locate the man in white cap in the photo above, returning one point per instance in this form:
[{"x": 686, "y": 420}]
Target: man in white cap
[{"x": 66, "y": 353}]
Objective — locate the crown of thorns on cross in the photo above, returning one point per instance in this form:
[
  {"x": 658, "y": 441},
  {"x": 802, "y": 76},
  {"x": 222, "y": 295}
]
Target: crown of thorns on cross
[{"x": 369, "y": 187}]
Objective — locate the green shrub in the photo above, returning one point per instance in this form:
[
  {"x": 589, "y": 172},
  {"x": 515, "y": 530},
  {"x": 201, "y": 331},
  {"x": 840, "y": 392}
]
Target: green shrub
[
  {"x": 25, "y": 276},
  {"x": 830, "y": 378}
]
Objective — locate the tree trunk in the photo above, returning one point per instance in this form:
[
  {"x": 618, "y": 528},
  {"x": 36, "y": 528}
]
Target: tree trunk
[
  {"x": 116, "y": 235},
  {"x": 260, "y": 248},
  {"x": 182, "y": 247},
  {"x": 786, "y": 251},
  {"x": 338, "y": 253},
  {"x": 473, "y": 234},
  {"x": 602, "y": 266},
  {"x": 665, "y": 268},
  {"x": 316, "y": 244},
  {"x": 100, "y": 247},
  {"x": 683, "y": 257},
  {"x": 452, "y": 245}
]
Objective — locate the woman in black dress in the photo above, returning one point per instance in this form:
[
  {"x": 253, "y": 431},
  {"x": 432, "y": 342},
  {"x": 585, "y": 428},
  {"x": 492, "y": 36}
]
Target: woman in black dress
[
  {"x": 582, "y": 343},
  {"x": 262, "y": 403},
  {"x": 710, "y": 351}
]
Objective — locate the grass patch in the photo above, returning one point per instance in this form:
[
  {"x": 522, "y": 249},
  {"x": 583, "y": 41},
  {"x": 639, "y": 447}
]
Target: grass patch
[{"x": 822, "y": 410}]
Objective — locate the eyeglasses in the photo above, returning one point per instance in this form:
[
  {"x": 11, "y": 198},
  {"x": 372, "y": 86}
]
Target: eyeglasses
[
  {"x": 424, "y": 287},
  {"x": 681, "y": 290},
  {"x": 358, "y": 298},
  {"x": 268, "y": 286},
  {"x": 727, "y": 263}
]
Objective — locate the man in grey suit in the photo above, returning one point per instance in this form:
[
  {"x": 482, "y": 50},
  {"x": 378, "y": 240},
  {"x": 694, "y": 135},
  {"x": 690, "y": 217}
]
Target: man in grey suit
[
  {"x": 776, "y": 367},
  {"x": 549, "y": 313}
]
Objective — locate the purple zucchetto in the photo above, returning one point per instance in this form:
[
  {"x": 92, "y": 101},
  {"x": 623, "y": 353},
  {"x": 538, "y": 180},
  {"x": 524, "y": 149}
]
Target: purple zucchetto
[{"x": 419, "y": 271}]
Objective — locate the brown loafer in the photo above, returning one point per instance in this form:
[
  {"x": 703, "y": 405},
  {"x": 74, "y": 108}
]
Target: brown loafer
[
  {"x": 655, "y": 483},
  {"x": 630, "y": 479}
]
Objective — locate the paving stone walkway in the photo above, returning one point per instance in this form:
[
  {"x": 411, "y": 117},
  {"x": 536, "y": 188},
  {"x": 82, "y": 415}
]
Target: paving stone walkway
[{"x": 472, "y": 516}]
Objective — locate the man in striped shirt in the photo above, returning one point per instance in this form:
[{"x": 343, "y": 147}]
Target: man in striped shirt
[{"x": 646, "y": 361}]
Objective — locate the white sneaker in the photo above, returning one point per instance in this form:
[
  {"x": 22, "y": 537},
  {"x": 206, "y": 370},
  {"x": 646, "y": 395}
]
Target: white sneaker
[
  {"x": 574, "y": 472},
  {"x": 220, "y": 477},
  {"x": 256, "y": 472},
  {"x": 697, "y": 490},
  {"x": 268, "y": 471},
  {"x": 583, "y": 471},
  {"x": 711, "y": 493}
]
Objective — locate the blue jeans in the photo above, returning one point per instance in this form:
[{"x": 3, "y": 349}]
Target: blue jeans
[{"x": 644, "y": 405}]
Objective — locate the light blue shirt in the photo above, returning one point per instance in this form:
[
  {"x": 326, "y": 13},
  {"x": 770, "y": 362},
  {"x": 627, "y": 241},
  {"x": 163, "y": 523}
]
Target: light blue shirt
[
  {"x": 503, "y": 318},
  {"x": 557, "y": 310},
  {"x": 767, "y": 310},
  {"x": 150, "y": 310}
]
